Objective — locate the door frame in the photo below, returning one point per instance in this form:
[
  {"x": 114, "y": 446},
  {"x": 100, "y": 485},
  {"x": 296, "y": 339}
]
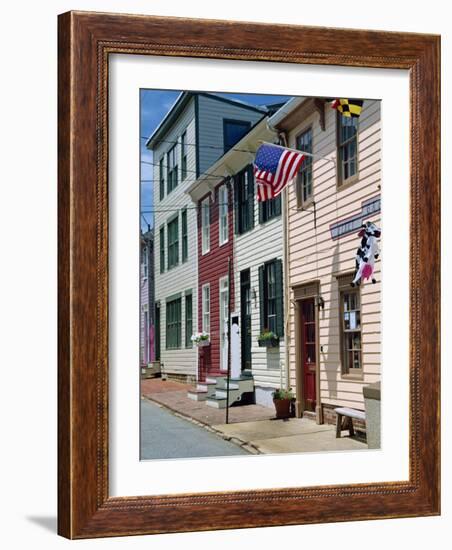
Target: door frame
[
  {"x": 220, "y": 281},
  {"x": 308, "y": 291}
]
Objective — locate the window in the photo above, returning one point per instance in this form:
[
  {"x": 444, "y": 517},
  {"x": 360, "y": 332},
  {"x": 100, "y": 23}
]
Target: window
[
  {"x": 173, "y": 324},
  {"x": 183, "y": 154},
  {"x": 188, "y": 320},
  {"x": 347, "y": 148},
  {"x": 171, "y": 162},
  {"x": 269, "y": 209},
  {"x": 162, "y": 249},
  {"x": 233, "y": 131},
  {"x": 145, "y": 262},
  {"x": 271, "y": 297},
  {"x": 223, "y": 214},
  {"x": 244, "y": 203},
  {"x": 205, "y": 225},
  {"x": 162, "y": 179},
  {"x": 184, "y": 236},
  {"x": 351, "y": 332},
  {"x": 304, "y": 178},
  {"x": 173, "y": 242},
  {"x": 206, "y": 308}
]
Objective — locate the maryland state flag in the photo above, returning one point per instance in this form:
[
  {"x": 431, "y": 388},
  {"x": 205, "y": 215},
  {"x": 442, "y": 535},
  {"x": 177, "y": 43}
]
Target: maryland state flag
[{"x": 348, "y": 107}]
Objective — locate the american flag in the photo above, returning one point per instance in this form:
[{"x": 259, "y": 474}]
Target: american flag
[{"x": 274, "y": 166}]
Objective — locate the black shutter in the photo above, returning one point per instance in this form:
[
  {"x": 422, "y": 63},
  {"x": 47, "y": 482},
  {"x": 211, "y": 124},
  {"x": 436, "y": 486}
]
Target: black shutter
[
  {"x": 251, "y": 195},
  {"x": 278, "y": 205},
  {"x": 262, "y": 297},
  {"x": 261, "y": 212},
  {"x": 236, "y": 181},
  {"x": 279, "y": 298}
]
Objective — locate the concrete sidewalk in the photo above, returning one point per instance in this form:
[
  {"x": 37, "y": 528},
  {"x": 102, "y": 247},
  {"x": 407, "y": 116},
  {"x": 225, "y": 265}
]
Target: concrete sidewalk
[
  {"x": 252, "y": 426},
  {"x": 294, "y": 435}
]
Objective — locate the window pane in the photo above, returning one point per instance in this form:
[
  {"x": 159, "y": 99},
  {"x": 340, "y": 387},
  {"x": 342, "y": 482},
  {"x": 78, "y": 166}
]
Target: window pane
[
  {"x": 184, "y": 236},
  {"x": 351, "y": 333},
  {"x": 188, "y": 320},
  {"x": 304, "y": 181},
  {"x": 348, "y": 145},
  {"x": 234, "y": 130}
]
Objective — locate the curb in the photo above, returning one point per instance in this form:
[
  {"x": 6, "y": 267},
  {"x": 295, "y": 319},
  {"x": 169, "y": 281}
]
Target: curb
[{"x": 246, "y": 445}]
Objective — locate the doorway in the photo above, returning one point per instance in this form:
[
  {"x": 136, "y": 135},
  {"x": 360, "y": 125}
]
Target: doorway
[
  {"x": 224, "y": 318},
  {"x": 308, "y": 353},
  {"x": 245, "y": 318}
]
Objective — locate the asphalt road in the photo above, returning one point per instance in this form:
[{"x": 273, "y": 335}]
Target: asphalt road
[{"x": 164, "y": 435}]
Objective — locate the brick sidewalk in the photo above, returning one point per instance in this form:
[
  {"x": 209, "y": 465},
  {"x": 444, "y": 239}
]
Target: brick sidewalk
[{"x": 173, "y": 395}]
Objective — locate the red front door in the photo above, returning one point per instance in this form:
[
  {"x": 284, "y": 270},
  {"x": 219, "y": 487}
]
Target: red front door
[{"x": 308, "y": 353}]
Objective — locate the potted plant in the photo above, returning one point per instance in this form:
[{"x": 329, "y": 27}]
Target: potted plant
[
  {"x": 282, "y": 399},
  {"x": 268, "y": 339},
  {"x": 201, "y": 339}
]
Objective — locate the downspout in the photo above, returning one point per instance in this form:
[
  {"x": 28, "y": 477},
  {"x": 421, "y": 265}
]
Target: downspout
[{"x": 283, "y": 138}]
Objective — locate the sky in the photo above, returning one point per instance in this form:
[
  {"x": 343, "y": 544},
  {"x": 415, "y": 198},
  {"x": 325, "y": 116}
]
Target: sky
[{"x": 153, "y": 107}]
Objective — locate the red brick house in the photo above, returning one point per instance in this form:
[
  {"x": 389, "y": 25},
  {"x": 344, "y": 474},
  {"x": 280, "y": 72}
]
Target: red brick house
[{"x": 215, "y": 250}]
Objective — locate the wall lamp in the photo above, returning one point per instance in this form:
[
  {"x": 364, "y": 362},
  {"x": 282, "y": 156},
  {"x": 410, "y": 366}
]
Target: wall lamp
[{"x": 320, "y": 302}]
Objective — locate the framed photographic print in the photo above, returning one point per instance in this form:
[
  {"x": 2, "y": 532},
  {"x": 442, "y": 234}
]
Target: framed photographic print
[{"x": 248, "y": 275}]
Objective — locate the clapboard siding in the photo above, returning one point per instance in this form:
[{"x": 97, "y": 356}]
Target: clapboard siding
[
  {"x": 212, "y": 112},
  {"x": 144, "y": 303},
  {"x": 182, "y": 278},
  {"x": 252, "y": 249},
  {"x": 213, "y": 266},
  {"x": 313, "y": 255},
  {"x": 202, "y": 119}
]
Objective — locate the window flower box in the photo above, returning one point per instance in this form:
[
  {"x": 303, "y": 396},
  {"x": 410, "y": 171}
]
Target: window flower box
[
  {"x": 201, "y": 339},
  {"x": 268, "y": 339}
]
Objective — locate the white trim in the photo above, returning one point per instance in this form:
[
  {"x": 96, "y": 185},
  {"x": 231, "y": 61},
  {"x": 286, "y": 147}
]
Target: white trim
[
  {"x": 204, "y": 312},
  {"x": 221, "y": 205},
  {"x": 222, "y": 280},
  {"x": 205, "y": 227}
]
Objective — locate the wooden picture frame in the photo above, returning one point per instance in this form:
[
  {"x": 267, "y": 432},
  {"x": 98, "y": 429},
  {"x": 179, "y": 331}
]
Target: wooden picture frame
[{"x": 86, "y": 40}]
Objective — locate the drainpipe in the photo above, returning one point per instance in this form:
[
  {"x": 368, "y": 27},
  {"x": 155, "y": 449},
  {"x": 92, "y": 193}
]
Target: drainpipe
[{"x": 285, "y": 204}]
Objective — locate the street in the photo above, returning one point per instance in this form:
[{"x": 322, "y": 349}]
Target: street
[{"x": 164, "y": 435}]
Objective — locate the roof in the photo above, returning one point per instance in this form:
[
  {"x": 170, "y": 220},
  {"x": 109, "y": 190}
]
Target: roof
[
  {"x": 179, "y": 105},
  {"x": 233, "y": 160}
]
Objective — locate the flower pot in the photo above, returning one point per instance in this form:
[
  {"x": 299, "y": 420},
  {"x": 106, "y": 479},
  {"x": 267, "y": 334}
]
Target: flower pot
[
  {"x": 203, "y": 343},
  {"x": 282, "y": 407},
  {"x": 269, "y": 343}
]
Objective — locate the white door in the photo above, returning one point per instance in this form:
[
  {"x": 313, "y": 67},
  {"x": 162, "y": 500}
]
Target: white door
[{"x": 224, "y": 314}]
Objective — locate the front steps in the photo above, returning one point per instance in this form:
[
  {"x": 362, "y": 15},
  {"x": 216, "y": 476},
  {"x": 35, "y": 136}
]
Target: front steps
[
  {"x": 214, "y": 390},
  {"x": 203, "y": 390}
]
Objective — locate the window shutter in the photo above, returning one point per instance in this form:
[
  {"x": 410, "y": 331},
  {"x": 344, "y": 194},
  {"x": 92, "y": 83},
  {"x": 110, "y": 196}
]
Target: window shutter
[
  {"x": 261, "y": 212},
  {"x": 261, "y": 297},
  {"x": 251, "y": 195},
  {"x": 278, "y": 205},
  {"x": 279, "y": 298},
  {"x": 236, "y": 204}
]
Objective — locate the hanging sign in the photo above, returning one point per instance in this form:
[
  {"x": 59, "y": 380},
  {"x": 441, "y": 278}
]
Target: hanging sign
[{"x": 352, "y": 224}]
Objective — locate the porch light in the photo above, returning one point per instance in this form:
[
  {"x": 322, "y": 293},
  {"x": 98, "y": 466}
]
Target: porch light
[{"x": 320, "y": 302}]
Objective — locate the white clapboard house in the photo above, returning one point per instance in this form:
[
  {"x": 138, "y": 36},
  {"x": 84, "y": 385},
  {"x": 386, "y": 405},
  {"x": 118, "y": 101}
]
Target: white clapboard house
[{"x": 198, "y": 129}]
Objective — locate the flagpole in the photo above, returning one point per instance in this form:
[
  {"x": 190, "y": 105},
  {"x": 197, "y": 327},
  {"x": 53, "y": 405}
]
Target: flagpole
[{"x": 298, "y": 151}]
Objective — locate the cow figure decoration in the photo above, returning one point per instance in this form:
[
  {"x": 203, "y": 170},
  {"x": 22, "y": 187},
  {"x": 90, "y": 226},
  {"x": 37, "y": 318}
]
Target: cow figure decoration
[{"x": 367, "y": 253}]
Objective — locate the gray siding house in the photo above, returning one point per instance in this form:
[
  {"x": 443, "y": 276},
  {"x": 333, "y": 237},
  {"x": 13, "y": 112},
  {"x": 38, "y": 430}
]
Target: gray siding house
[{"x": 198, "y": 129}]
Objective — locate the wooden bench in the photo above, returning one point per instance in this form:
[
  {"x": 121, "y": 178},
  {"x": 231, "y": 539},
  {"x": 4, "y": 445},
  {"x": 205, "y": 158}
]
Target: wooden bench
[{"x": 349, "y": 414}]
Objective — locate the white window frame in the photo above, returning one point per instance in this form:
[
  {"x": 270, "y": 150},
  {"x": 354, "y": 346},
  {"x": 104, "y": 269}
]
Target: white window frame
[
  {"x": 205, "y": 225},
  {"x": 223, "y": 214},
  {"x": 206, "y": 308}
]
